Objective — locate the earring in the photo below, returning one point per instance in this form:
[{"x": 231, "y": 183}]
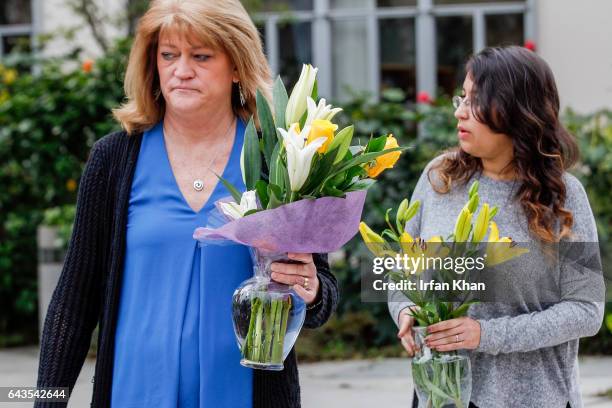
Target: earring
[{"x": 242, "y": 98}]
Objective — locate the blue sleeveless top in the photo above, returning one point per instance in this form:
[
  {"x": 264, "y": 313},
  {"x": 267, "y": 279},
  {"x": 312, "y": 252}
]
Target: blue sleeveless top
[{"x": 174, "y": 344}]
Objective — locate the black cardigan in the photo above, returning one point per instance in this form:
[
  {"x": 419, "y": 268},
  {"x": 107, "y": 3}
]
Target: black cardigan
[{"x": 89, "y": 286}]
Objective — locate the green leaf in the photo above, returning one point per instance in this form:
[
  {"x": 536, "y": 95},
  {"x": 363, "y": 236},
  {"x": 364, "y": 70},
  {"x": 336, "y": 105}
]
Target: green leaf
[
  {"x": 320, "y": 170},
  {"x": 337, "y": 180},
  {"x": 342, "y": 142},
  {"x": 398, "y": 216},
  {"x": 355, "y": 171},
  {"x": 376, "y": 144},
  {"x": 280, "y": 97},
  {"x": 462, "y": 310},
  {"x": 252, "y": 156},
  {"x": 362, "y": 158},
  {"x": 361, "y": 185},
  {"x": 274, "y": 193},
  {"x": 261, "y": 187},
  {"x": 230, "y": 187},
  {"x": 277, "y": 167},
  {"x": 286, "y": 183},
  {"x": 387, "y": 218},
  {"x": 333, "y": 192},
  {"x": 442, "y": 310},
  {"x": 390, "y": 234},
  {"x": 268, "y": 130}
]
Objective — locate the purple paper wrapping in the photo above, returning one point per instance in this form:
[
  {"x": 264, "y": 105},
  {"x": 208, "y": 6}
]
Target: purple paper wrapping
[{"x": 306, "y": 226}]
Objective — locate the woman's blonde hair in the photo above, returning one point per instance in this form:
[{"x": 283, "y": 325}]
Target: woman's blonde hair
[{"x": 219, "y": 24}]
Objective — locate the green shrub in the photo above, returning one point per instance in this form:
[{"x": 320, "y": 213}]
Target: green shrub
[{"x": 48, "y": 123}]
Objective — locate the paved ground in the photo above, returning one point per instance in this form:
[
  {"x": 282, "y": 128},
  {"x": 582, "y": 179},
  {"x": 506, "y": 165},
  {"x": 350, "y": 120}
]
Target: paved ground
[{"x": 357, "y": 384}]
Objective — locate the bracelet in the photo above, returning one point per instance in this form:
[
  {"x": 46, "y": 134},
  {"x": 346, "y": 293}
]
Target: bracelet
[{"x": 314, "y": 305}]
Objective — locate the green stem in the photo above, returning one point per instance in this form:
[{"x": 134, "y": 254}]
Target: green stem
[
  {"x": 280, "y": 343},
  {"x": 269, "y": 323},
  {"x": 434, "y": 388},
  {"x": 258, "y": 323},
  {"x": 277, "y": 351},
  {"x": 458, "y": 380},
  {"x": 247, "y": 347}
]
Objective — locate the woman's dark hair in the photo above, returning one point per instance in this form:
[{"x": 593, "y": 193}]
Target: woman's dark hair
[{"x": 514, "y": 93}]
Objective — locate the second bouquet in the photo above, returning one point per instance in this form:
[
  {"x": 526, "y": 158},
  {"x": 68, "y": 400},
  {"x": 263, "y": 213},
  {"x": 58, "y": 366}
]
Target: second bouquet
[{"x": 304, "y": 190}]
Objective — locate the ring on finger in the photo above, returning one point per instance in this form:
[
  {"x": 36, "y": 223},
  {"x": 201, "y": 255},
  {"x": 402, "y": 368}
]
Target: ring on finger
[
  {"x": 456, "y": 338},
  {"x": 305, "y": 285}
]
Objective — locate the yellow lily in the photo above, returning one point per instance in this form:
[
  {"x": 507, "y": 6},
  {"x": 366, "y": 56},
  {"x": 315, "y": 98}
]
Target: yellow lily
[
  {"x": 373, "y": 241},
  {"x": 322, "y": 128},
  {"x": 462, "y": 225},
  {"x": 500, "y": 250},
  {"x": 482, "y": 223},
  {"x": 385, "y": 161},
  {"x": 419, "y": 248}
]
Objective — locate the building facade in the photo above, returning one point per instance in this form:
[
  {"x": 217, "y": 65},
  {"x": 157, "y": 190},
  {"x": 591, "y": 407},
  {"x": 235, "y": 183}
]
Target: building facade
[{"x": 372, "y": 45}]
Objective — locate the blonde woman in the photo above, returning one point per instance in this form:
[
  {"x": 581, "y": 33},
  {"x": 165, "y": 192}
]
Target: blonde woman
[{"x": 163, "y": 304}]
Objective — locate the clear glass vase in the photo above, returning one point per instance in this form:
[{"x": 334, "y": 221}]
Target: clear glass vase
[
  {"x": 442, "y": 380},
  {"x": 267, "y": 315}
]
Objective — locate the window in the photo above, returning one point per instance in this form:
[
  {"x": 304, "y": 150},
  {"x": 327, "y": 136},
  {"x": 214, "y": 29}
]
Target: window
[
  {"x": 461, "y": 2},
  {"x": 505, "y": 29},
  {"x": 396, "y": 3},
  {"x": 295, "y": 49},
  {"x": 18, "y": 43},
  {"x": 262, "y": 34},
  {"x": 350, "y": 68},
  {"x": 287, "y": 5},
  {"x": 349, "y": 4},
  {"x": 15, "y": 26},
  {"x": 398, "y": 55},
  {"x": 454, "y": 46},
  {"x": 15, "y": 12},
  {"x": 372, "y": 45}
]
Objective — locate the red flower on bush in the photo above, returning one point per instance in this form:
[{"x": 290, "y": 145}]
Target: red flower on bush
[
  {"x": 530, "y": 45},
  {"x": 423, "y": 97},
  {"x": 87, "y": 66}
]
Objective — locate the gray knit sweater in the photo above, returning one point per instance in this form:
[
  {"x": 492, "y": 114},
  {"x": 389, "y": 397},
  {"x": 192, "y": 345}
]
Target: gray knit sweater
[{"x": 527, "y": 355}]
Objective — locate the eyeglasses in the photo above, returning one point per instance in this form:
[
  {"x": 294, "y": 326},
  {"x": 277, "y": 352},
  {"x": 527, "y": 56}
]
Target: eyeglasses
[{"x": 458, "y": 100}]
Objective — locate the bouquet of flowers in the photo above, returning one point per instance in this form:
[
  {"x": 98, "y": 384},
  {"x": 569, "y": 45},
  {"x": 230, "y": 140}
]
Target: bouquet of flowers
[
  {"x": 442, "y": 379},
  {"x": 305, "y": 190}
]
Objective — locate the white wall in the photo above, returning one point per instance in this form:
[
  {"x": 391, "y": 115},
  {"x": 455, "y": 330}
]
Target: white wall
[
  {"x": 575, "y": 37},
  {"x": 56, "y": 16}
]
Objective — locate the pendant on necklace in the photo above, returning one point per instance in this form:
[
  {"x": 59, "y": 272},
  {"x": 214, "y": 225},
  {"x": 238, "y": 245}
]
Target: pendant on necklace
[{"x": 198, "y": 185}]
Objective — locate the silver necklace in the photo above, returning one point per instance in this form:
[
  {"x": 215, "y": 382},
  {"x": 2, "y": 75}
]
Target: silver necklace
[{"x": 198, "y": 183}]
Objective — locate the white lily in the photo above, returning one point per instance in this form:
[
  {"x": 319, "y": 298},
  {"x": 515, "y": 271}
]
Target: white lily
[
  {"x": 299, "y": 154},
  {"x": 296, "y": 106},
  {"x": 248, "y": 202},
  {"x": 320, "y": 111}
]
